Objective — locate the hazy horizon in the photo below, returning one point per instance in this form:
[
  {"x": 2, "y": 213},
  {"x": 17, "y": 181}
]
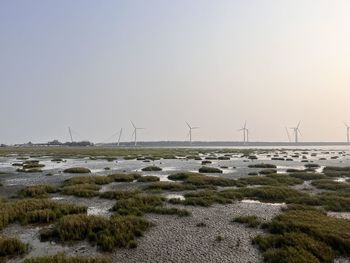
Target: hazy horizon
[{"x": 96, "y": 65}]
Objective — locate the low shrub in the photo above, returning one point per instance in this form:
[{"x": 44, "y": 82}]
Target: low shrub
[
  {"x": 206, "y": 169},
  {"x": 100, "y": 180},
  {"x": 108, "y": 234},
  {"x": 148, "y": 178},
  {"x": 36, "y": 191},
  {"x": 124, "y": 177},
  {"x": 152, "y": 168},
  {"x": 28, "y": 211},
  {"x": 10, "y": 247},
  {"x": 62, "y": 258},
  {"x": 263, "y": 165},
  {"x": 77, "y": 170},
  {"x": 250, "y": 221},
  {"x": 81, "y": 190},
  {"x": 170, "y": 186}
]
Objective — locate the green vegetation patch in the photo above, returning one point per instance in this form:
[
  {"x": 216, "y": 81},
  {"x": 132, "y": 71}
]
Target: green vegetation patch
[
  {"x": 328, "y": 184},
  {"x": 28, "y": 211},
  {"x": 11, "y": 247},
  {"x": 62, "y": 258},
  {"x": 99, "y": 180},
  {"x": 77, "y": 170},
  {"x": 81, "y": 190},
  {"x": 271, "y": 179},
  {"x": 263, "y": 165},
  {"x": 124, "y": 177},
  {"x": 206, "y": 169},
  {"x": 170, "y": 186},
  {"x": 305, "y": 235},
  {"x": 108, "y": 234},
  {"x": 250, "y": 221},
  {"x": 37, "y": 191},
  {"x": 148, "y": 178},
  {"x": 152, "y": 168}
]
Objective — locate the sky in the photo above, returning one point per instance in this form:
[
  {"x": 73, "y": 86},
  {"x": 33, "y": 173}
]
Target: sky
[{"x": 97, "y": 65}]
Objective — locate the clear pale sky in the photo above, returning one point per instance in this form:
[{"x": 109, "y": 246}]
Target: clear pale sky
[{"x": 96, "y": 65}]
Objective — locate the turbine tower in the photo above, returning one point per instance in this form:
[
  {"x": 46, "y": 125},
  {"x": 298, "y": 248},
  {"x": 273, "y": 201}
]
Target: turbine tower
[
  {"x": 347, "y": 132},
  {"x": 70, "y": 134},
  {"x": 135, "y": 132},
  {"x": 296, "y": 132},
  {"x": 245, "y": 132},
  {"x": 120, "y": 135},
  {"x": 190, "y": 131}
]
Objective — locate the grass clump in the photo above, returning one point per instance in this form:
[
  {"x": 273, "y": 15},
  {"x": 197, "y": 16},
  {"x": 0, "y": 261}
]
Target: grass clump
[
  {"x": 263, "y": 165},
  {"x": 270, "y": 179},
  {"x": 119, "y": 194},
  {"x": 28, "y": 211},
  {"x": 99, "y": 180},
  {"x": 81, "y": 190},
  {"x": 328, "y": 184},
  {"x": 308, "y": 232},
  {"x": 77, "y": 170},
  {"x": 37, "y": 191},
  {"x": 270, "y": 193},
  {"x": 250, "y": 221},
  {"x": 137, "y": 205},
  {"x": 207, "y": 181},
  {"x": 182, "y": 176},
  {"x": 169, "y": 211},
  {"x": 108, "y": 234},
  {"x": 170, "y": 186},
  {"x": 62, "y": 258},
  {"x": 293, "y": 247},
  {"x": 268, "y": 171},
  {"x": 152, "y": 168},
  {"x": 124, "y": 177},
  {"x": 148, "y": 178},
  {"x": 11, "y": 247},
  {"x": 307, "y": 176},
  {"x": 206, "y": 169}
]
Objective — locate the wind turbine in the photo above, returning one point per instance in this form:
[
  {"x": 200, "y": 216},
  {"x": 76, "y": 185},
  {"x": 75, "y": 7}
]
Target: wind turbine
[
  {"x": 288, "y": 135},
  {"x": 245, "y": 132},
  {"x": 120, "y": 135},
  {"x": 135, "y": 132},
  {"x": 296, "y": 132},
  {"x": 190, "y": 131},
  {"x": 70, "y": 134},
  {"x": 347, "y": 132}
]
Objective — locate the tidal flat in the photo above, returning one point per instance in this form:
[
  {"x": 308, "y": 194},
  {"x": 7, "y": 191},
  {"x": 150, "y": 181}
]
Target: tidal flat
[{"x": 91, "y": 204}]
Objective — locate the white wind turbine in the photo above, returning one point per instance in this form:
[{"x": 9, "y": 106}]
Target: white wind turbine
[
  {"x": 347, "y": 132},
  {"x": 135, "y": 132},
  {"x": 120, "y": 135},
  {"x": 245, "y": 132},
  {"x": 296, "y": 132},
  {"x": 190, "y": 131}
]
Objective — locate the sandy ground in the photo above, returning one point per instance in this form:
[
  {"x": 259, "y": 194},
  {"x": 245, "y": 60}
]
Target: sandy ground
[{"x": 175, "y": 239}]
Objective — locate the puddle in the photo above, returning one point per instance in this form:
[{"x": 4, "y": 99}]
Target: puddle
[
  {"x": 57, "y": 198},
  {"x": 340, "y": 180},
  {"x": 171, "y": 196},
  {"x": 258, "y": 202}
]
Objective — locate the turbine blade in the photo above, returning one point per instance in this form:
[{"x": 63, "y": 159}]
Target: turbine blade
[
  {"x": 133, "y": 125},
  {"x": 189, "y": 126},
  {"x": 298, "y": 124}
]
